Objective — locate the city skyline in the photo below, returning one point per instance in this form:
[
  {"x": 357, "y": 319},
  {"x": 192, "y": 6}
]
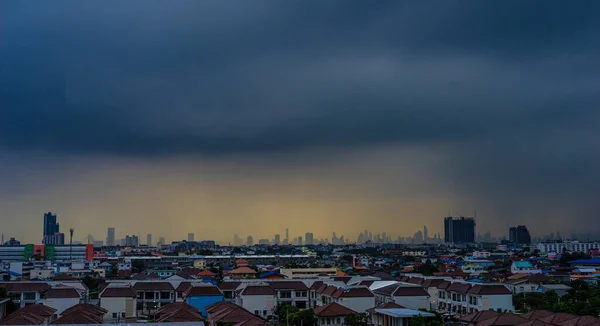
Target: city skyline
[{"x": 235, "y": 118}]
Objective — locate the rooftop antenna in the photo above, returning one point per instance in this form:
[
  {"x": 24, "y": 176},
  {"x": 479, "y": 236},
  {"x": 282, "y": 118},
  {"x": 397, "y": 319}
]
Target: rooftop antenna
[{"x": 71, "y": 230}]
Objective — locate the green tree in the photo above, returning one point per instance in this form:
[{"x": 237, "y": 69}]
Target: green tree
[
  {"x": 357, "y": 319},
  {"x": 138, "y": 266},
  {"x": 11, "y": 306},
  {"x": 420, "y": 320}
]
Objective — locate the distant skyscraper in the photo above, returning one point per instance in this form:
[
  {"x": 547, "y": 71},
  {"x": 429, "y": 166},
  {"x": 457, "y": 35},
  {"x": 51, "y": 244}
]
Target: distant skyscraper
[
  {"x": 110, "y": 237},
  {"x": 161, "y": 240},
  {"x": 190, "y": 237},
  {"x": 308, "y": 239},
  {"x": 287, "y": 236},
  {"x": 149, "y": 240},
  {"x": 263, "y": 241},
  {"x": 519, "y": 235},
  {"x": 425, "y": 233},
  {"x": 459, "y": 230},
  {"x": 299, "y": 241},
  {"x": 418, "y": 238},
  {"x": 132, "y": 241},
  {"x": 277, "y": 239},
  {"x": 52, "y": 233},
  {"x": 249, "y": 241}
]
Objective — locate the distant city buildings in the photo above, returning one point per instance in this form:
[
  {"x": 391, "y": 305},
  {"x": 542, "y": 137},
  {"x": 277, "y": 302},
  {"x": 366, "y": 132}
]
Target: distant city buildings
[
  {"x": 263, "y": 242},
  {"x": 132, "y": 241},
  {"x": 287, "y": 237},
  {"x": 459, "y": 229},
  {"x": 277, "y": 239},
  {"x": 52, "y": 233},
  {"x": 149, "y": 240},
  {"x": 110, "y": 237},
  {"x": 190, "y": 237},
  {"x": 249, "y": 241},
  {"x": 519, "y": 235},
  {"x": 308, "y": 239}
]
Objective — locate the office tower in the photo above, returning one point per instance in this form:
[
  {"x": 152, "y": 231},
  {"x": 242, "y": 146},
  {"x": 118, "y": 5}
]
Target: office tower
[
  {"x": 308, "y": 239},
  {"x": 90, "y": 239},
  {"x": 519, "y": 235},
  {"x": 459, "y": 229},
  {"x": 52, "y": 233},
  {"x": 249, "y": 241},
  {"x": 425, "y": 233},
  {"x": 418, "y": 238},
  {"x": 161, "y": 240},
  {"x": 299, "y": 243},
  {"x": 110, "y": 237},
  {"x": 287, "y": 236},
  {"x": 132, "y": 241},
  {"x": 190, "y": 237},
  {"x": 263, "y": 242},
  {"x": 277, "y": 239},
  {"x": 149, "y": 240}
]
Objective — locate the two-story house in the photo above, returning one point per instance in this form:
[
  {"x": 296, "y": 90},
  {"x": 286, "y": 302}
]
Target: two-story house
[
  {"x": 62, "y": 298},
  {"x": 152, "y": 295},
  {"x": 332, "y": 314},
  {"x": 461, "y": 298},
  {"x": 357, "y": 298},
  {"x": 259, "y": 298},
  {"x": 407, "y": 295},
  {"x": 229, "y": 290},
  {"x": 202, "y": 295},
  {"x": 120, "y": 302},
  {"x": 523, "y": 267},
  {"x": 26, "y": 293},
  {"x": 294, "y": 293}
]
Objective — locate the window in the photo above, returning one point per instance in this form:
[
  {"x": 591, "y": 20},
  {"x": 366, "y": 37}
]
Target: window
[
  {"x": 257, "y": 312},
  {"x": 285, "y": 294},
  {"x": 337, "y": 320},
  {"x": 29, "y": 296},
  {"x": 115, "y": 315},
  {"x": 122, "y": 315},
  {"x": 301, "y": 294},
  {"x": 264, "y": 312},
  {"x": 165, "y": 295}
]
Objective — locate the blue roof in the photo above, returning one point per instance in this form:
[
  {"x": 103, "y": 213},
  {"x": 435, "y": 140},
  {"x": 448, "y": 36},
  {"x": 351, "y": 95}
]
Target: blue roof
[
  {"x": 265, "y": 274},
  {"x": 11, "y": 273},
  {"x": 523, "y": 264}
]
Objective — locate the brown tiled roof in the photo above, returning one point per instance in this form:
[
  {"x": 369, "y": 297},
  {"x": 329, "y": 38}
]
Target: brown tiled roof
[
  {"x": 366, "y": 283},
  {"x": 322, "y": 288},
  {"x": 329, "y": 290},
  {"x": 359, "y": 292},
  {"x": 85, "y": 308},
  {"x": 118, "y": 292},
  {"x": 565, "y": 319},
  {"x": 203, "y": 290},
  {"x": 478, "y": 316},
  {"x": 167, "y": 309},
  {"x": 258, "y": 290},
  {"x": 459, "y": 287},
  {"x": 253, "y": 322},
  {"x": 229, "y": 285},
  {"x": 416, "y": 280},
  {"x": 62, "y": 293},
  {"x": 77, "y": 318},
  {"x": 189, "y": 271},
  {"x": 535, "y": 323},
  {"x": 537, "y": 314},
  {"x": 316, "y": 285},
  {"x": 228, "y": 312},
  {"x": 538, "y": 278},
  {"x": 25, "y": 286},
  {"x": 22, "y": 318},
  {"x": 289, "y": 285},
  {"x": 344, "y": 279},
  {"x": 444, "y": 285},
  {"x": 333, "y": 310},
  {"x": 184, "y": 286},
  {"x": 410, "y": 291},
  {"x": 182, "y": 314},
  {"x": 433, "y": 282},
  {"x": 243, "y": 270},
  {"x": 386, "y": 305},
  {"x": 385, "y": 276},
  {"x": 39, "y": 309},
  {"x": 63, "y": 277},
  {"x": 153, "y": 286},
  {"x": 503, "y": 320},
  {"x": 387, "y": 290},
  {"x": 489, "y": 289}
]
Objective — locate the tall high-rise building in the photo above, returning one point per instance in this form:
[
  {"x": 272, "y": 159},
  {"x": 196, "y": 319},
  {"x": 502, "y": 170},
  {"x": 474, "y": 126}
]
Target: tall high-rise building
[
  {"x": 149, "y": 240},
  {"x": 161, "y": 240},
  {"x": 249, "y": 241},
  {"x": 418, "y": 238},
  {"x": 110, "y": 237},
  {"x": 190, "y": 237},
  {"x": 425, "y": 233},
  {"x": 299, "y": 242},
  {"x": 459, "y": 229},
  {"x": 132, "y": 241},
  {"x": 519, "y": 235},
  {"x": 287, "y": 236},
  {"x": 308, "y": 239},
  {"x": 52, "y": 233},
  {"x": 277, "y": 240}
]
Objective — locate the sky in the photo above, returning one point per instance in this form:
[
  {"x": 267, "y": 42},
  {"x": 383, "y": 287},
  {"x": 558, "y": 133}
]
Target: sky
[{"x": 249, "y": 117}]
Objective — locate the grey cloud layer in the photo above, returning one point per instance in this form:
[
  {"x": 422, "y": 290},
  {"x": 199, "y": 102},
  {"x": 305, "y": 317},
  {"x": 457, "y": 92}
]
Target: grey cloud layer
[{"x": 510, "y": 87}]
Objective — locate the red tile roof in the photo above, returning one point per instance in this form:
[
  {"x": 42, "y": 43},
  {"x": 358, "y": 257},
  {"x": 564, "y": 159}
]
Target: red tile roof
[
  {"x": 184, "y": 286},
  {"x": 478, "y": 316},
  {"x": 503, "y": 320},
  {"x": 78, "y": 318},
  {"x": 228, "y": 312},
  {"x": 333, "y": 310},
  {"x": 118, "y": 292},
  {"x": 358, "y": 292},
  {"x": 25, "y": 286},
  {"x": 243, "y": 270},
  {"x": 39, "y": 309},
  {"x": 386, "y": 305},
  {"x": 206, "y": 273},
  {"x": 459, "y": 287},
  {"x": 537, "y": 314},
  {"x": 85, "y": 308},
  {"x": 489, "y": 289},
  {"x": 410, "y": 291},
  {"x": 153, "y": 286},
  {"x": 229, "y": 285},
  {"x": 203, "y": 290},
  {"x": 289, "y": 285},
  {"x": 63, "y": 293},
  {"x": 258, "y": 290}
]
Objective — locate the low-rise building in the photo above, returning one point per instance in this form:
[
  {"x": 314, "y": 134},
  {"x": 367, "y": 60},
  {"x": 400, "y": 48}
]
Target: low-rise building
[
  {"x": 120, "y": 302},
  {"x": 260, "y": 299},
  {"x": 524, "y": 267},
  {"x": 332, "y": 314},
  {"x": 407, "y": 295},
  {"x": 62, "y": 298},
  {"x": 200, "y": 296}
]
